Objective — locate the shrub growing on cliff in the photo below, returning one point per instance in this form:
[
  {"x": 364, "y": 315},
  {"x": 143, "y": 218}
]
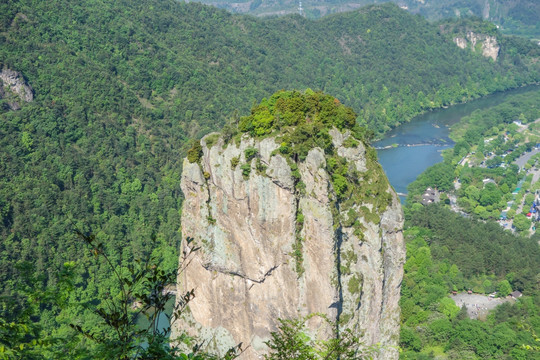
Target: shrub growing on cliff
[
  {"x": 235, "y": 161},
  {"x": 195, "y": 153},
  {"x": 292, "y": 341},
  {"x": 246, "y": 170},
  {"x": 250, "y": 153}
]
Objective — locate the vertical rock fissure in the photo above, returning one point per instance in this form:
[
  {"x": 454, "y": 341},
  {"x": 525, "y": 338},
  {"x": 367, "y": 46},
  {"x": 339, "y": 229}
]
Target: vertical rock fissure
[
  {"x": 298, "y": 250},
  {"x": 211, "y": 219},
  {"x": 338, "y": 243}
]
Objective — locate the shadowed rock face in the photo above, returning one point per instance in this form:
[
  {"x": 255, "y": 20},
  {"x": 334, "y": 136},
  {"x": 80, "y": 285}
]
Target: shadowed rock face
[
  {"x": 252, "y": 268},
  {"x": 14, "y": 88}
]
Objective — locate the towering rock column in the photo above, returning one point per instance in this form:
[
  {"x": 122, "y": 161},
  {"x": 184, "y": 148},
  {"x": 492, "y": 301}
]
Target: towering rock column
[{"x": 284, "y": 238}]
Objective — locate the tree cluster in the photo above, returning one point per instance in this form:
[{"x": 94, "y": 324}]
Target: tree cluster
[{"x": 433, "y": 325}]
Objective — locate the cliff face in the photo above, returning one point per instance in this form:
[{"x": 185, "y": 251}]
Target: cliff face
[
  {"x": 487, "y": 44},
  {"x": 14, "y": 89},
  {"x": 247, "y": 274},
  {"x": 278, "y": 240}
]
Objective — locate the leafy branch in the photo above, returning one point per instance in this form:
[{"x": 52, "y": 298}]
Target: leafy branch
[{"x": 144, "y": 289}]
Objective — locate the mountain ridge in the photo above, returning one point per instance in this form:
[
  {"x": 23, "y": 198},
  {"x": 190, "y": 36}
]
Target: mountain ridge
[{"x": 515, "y": 17}]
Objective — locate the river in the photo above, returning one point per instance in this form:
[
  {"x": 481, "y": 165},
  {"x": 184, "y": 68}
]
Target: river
[{"x": 411, "y": 148}]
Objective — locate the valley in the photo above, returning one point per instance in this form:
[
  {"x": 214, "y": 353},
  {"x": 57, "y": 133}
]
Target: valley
[
  {"x": 113, "y": 180},
  {"x": 421, "y": 141}
]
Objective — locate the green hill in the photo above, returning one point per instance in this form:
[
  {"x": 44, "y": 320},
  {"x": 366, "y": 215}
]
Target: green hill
[
  {"x": 120, "y": 87},
  {"x": 518, "y": 17}
]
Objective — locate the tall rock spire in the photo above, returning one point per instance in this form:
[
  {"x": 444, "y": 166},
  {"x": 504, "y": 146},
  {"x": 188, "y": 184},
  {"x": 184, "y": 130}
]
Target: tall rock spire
[{"x": 288, "y": 228}]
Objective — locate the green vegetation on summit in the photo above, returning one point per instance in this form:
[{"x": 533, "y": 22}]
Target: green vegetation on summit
[{"x": 287, "y": 108}]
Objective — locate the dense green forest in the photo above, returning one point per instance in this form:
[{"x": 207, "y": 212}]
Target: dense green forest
[
  {"x": 120, "y": 87},
  {"x": 198, "y": 64},
  {"x": 447, "y": 252},
  {"x": 518, "y": 17}
]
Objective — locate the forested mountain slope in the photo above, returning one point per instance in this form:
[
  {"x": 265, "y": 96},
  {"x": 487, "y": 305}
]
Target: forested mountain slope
[
  {"x": 195, "y": 62},
  {"x": 519, "y": 17},
  {"x": 119, "y": 87}
]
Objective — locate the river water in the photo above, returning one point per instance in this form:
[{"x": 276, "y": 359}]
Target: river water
[{"x": 411, "y": 148}]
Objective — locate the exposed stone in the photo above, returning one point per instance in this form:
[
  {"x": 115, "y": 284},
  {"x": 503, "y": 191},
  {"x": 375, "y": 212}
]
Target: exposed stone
[
  {"x": 355, "y": 154},
  {"x": 461, "y": 42},
  {"x": 245, "y": 275},
  {"x": 489, "y": 46},
  {"x": 14, "y": 88}
]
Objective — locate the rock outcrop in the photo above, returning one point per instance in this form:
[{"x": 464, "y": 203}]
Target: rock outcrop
[
  {"x": 278, "y": 241},
  {"x": 487, "y": 44},
  {"x": 14, "y": 89}
]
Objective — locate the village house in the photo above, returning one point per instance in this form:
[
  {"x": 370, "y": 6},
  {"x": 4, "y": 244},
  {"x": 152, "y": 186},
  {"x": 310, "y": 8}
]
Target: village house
[
  {"x": 488, "y": 180},
  {"x": 516, "y": 294},
  {"x": 430, "y": 196}
]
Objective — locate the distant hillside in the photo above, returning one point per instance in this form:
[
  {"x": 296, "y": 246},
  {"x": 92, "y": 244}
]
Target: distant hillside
[
  {"x": 518, "y": 17},
  {"x": 119, "y": 87},
  {"x": 197, "y": 64}
]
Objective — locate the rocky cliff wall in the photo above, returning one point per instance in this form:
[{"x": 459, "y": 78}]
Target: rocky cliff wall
[
  {"x": 487, "y": 44},
  {"x": 14, "y": 89},
  {"x": 277, "y": 242}
]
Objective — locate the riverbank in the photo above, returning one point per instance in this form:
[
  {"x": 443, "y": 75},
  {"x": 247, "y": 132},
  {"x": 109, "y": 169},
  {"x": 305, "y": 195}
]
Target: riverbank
[
  {"x": 399, "y": 152},
  {"x": 497, "y": 95},
  {"x": 496, "y": 147}
]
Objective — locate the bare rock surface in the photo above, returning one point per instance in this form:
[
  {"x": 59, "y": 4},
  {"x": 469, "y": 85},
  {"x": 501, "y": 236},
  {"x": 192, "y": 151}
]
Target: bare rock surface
[
  {"x": 487, "y": 44},
  {"x": 14, "y": 88},
  {"x": 269, "y": 251}
]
